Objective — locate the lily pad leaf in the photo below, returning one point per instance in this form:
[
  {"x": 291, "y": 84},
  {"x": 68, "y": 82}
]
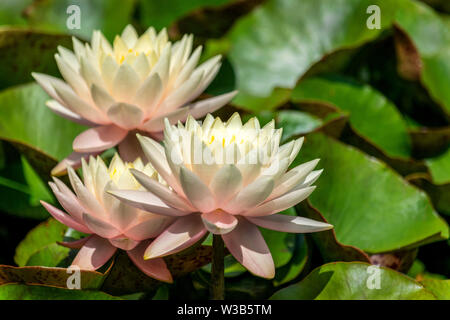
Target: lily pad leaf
[
  {"x": 26, "y": 292},
  {"x": 40, "y": 238},
  {"x": 354, "y": 281},
  {"x": 368, "y": 110},
  {"x": 26, "y": 122},
  {"x": 24, "y": 51},
  {"x": 370, "y": 205},
  {"x": 430, "y": 41},
  {"x": 440, "y": 288},
  {"x": 279, "y": 41}
]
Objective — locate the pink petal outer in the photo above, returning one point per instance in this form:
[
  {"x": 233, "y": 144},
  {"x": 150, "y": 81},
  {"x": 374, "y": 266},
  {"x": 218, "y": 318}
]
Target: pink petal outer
[
  {"x": 155, "y": 268},
  {"x": 77, "y": 244},
  {"x": 293, "y": 224},
  {"x": 219, "y": 222},
  {"x": 157, "y": 124},
  {"x": 62, "y": 111},
  {"x": 94, "y": 254},
  {"x": 65, "y": 218},
  {"x": 67, "y": 199},
  {"x": 99, "y": 138},
  {"x": 150, "y": 228},
  {"x": 124, "y": 243},
  {"x": 73, "y": 160},
  {"x": 247, "y": 245},
  {"x": 183, "y": 233},
  {"x": 100, "y": 227},
  {"x": 146, "y": 201}
]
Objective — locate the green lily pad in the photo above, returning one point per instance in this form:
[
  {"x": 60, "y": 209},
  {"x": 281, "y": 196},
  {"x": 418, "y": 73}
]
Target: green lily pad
[
  {"x": 440, "y": 168},
  {"x": 21, "y": 189},
  {"x": 24, "y": 51},
  {"x": 109, "y": 16},
  {"x": 30, "y": 125},
  {"x": 354, "y": 281},
  {"x": 161, "y": 14},
  {"x": 440, "y": 288},
  {"x": 51, "y": 276},
  {"x": 431, "y": 39},
  {"x": 25, "y": 292},
  {"x": 279, "y": 41},
  {"x": 370, "y": 205},
  {"x": 296, "y": 265},
  {"x": 42, "y": 241},
  {"x": 368, "y": 110}
]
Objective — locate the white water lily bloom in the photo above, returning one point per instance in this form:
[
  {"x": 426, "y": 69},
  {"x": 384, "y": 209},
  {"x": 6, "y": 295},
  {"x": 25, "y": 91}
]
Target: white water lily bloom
[
  {"x": 225, "y": 178},
  {"x": 111, "y": 223},
  {"x": 131, "y": 85}
]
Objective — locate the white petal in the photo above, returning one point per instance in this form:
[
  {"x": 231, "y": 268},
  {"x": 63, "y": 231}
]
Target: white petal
[
  {"x": 125, "y": 83},
  {"x": 251, "y": 196},
  {"x": 196, "y": 191},
  {"x": 293, "y": 224},
  {"x": 125, "y": 115},
  {"x": 226, "y": 183},
  {"x": 282, "y": 203}
]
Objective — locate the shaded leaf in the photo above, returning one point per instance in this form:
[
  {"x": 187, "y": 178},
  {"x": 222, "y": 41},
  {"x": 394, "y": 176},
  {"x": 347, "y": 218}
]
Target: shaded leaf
[
  {"x": 28, "y": 292},
  {"x": 440, "y": 288},
  {"x": 278, "y": 42},
  {"x": 30, "y": 125},
  {"x": 370, "y": 206},
  {"x": 368, "y": 110},
  {"x": 46, "y": 233},
  {"x": 352, "y": 281},
  {"x": 25, "y": 51}
]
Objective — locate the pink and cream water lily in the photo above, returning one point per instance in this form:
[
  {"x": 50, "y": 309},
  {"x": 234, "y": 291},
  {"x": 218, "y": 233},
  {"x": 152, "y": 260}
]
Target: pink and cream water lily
[
  {"x": 227, "y": 179},
  {"x": 129, "y": 86},
  {"x": 110, "y": 223}
]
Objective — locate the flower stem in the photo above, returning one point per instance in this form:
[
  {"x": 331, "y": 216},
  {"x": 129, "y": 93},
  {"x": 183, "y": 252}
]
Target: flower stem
[{"x": 217, "y": 272}]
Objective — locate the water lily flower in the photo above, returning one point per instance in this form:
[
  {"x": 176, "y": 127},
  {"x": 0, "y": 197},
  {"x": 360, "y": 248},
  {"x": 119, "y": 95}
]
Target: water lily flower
[
  {"x": 228, "y": 179},
  {"x": 128, "y": 87},
  {"x": 111, "y": 224}
]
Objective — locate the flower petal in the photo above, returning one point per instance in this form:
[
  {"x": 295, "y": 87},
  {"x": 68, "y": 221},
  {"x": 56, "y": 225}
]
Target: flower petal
[
  {"x": 62, "y": 111},
  {"x": 99, "y": 138},
  {"x": 152, "y": 227},
  {"x": 292, "y": 178},
  {"x": 251, "y": 196},
  {"x": 64, "y": 218},
  {"x": 68, "y": 200},
  {"x": 146, "y": 201},
  {"x": 125, "y": 83},
  {"x": 124, "y": 243},
  {"x": 77, "y": 244},
  {"x": 101, "y": 97},
  {"x": 94, "y": 254},
  {"x": 226, "y": 183},
  {"x": 201, "y": 108},
  {"x": 157, "y": 124},
  {"x": 164, "y": 193},
  {"x": 155, "y": 154},
  {"x": 219, "y": 222},
  {"x": 293, "y": 224},
  {"x": 247, "y": 245},
  {"x": 282, "y": 203},
  {"x": 196, "y": 191},
  {"x": 183, "y": 233},
  {"x": 154, "y": 268},
  {"x": 149, "y": 93},
  {"x": 125, "y": 115},
  {"x": 100, "y": 227}
]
